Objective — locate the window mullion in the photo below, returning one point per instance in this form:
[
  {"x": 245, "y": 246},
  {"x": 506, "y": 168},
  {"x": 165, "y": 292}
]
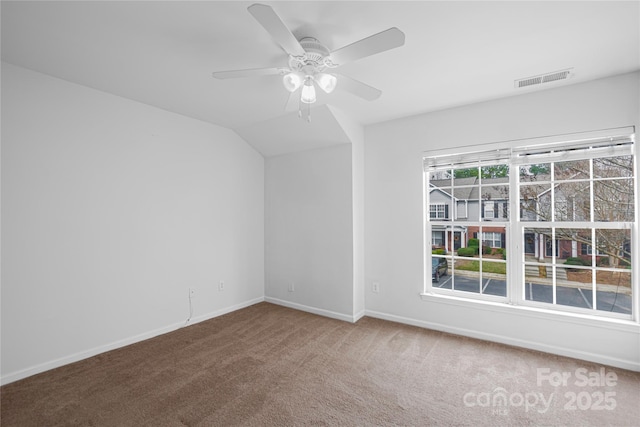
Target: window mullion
[
  {"x": 594, "y": 272},
  {"x": 591, "y": 196},
  {"x": 515, "y": 254},
  {"x": 428, "y": 230},
  {"x": 554, "y": 284}
]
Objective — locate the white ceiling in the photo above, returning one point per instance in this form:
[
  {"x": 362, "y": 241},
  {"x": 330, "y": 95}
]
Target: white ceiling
[{"x": 162, "y": 53}]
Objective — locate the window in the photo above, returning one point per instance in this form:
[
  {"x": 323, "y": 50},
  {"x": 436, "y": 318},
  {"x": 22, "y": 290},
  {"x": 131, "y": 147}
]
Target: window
[
  {"x": 478, "y": 268},
  {"x": 587, "y": 249},
  {"x": 533, "y": 215},
  {"x": 494, "y": 209},
  {"x": 437, "y": 238},
  {"x": 438, "y": 211},
  {"x": 492, "y": 239},
  {"x": 489, "y": 211}
]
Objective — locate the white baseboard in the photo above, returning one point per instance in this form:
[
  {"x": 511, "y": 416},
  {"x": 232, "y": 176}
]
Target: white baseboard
[
  {"x": 313, "y": 310},
  {"x": 225, "y": 310},
  {"x": 33, "y": 370},
  {"x": 561, "y": 351}
]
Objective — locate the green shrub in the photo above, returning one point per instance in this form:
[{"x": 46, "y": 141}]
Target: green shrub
[
  {"x": 438, "y": 251},
  {"x": 603, "y": 261},
  {"x": 475, "y": 243},
  {"x": 469, "y": 252},
  {"x": 576, "y": 261},
  {"x": 486, "y": 250}
]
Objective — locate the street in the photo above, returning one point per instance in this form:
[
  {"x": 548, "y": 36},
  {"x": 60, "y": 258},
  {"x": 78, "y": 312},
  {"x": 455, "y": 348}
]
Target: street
[{"x": 571, "y": 296}]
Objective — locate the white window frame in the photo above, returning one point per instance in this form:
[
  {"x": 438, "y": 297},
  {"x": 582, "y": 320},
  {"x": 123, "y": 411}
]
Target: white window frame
[
  {"x": 488, "y": 208},
  {"x": 437, "y": 211},
  {"x": 493, "y": 240},
  {"x": 610, "y": 142},
  {"x": 589, "y": 250},
  {"x": 442, "y": 236}
]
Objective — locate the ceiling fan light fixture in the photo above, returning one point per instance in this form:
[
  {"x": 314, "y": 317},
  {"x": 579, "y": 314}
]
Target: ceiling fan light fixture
[
  {"x": 292, "y": 81},
  {"x": 308, "y": 92},
  {"x": 327, "y": 82}
]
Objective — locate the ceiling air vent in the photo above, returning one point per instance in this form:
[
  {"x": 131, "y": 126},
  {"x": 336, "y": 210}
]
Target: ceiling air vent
[{"x": 544, "y": 78}]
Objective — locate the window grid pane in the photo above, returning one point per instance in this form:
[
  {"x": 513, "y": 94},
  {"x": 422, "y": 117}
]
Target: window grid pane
[
  {"x": 478, "y": 194},
  {"x": 563, "y": 268}
]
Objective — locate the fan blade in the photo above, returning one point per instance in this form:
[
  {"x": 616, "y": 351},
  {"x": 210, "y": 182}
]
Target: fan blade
[
  {"x": 358, "y": 88},
  {"x": 253, "y": 72},
  {"x": 371, "y": 45},
  {"x": 271, "y": 22}
]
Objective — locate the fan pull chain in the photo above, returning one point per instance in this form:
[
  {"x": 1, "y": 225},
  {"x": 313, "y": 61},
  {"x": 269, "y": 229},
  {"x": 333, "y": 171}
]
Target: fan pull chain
[{"x": 308, "y": 116}]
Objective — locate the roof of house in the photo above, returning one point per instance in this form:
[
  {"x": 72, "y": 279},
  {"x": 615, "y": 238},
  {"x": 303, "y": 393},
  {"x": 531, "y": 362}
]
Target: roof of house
[{"x": 469, "y": 188}]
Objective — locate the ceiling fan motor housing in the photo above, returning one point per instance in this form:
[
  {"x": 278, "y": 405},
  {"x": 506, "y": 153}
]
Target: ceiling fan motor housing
[{"x": 315, "y": 59}]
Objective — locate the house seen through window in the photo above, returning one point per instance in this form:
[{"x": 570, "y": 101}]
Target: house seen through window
[{"x": 548, "y": 225}]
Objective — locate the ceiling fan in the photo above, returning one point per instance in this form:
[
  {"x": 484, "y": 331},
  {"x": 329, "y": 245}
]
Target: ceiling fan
[{"x": 311, "y": 63}]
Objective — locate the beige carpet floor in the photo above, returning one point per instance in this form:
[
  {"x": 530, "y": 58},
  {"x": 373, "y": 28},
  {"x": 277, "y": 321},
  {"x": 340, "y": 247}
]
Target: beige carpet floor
[{"x": 272, "y": 366}]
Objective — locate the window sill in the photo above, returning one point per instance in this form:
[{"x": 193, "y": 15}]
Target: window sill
[{"x": 535, "y": 312}]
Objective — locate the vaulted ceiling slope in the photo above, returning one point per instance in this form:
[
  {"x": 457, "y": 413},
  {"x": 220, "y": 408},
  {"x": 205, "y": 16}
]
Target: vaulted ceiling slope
[{"x": 162, "y": 53}]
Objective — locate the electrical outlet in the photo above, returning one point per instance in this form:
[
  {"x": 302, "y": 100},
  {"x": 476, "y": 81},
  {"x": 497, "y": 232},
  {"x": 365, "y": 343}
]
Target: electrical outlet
[
  {"x": 375, "y": 287},
  {"x": 221, "y": 286},
  {"x": 292, "y": 287},
  {"x": 192, "y": 292}
]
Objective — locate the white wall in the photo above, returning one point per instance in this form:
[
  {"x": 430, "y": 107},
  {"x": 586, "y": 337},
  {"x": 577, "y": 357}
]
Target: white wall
[
  {"x": 309, "y": 231},
  {"x": 111, "y": 210},
  {"x": 394, "y": 224},
  {"x": 355, "y": 133}
]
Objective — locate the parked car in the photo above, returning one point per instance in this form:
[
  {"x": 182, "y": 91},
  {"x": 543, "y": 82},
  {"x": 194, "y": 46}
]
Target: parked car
[{"x": 439, "y": 268}]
